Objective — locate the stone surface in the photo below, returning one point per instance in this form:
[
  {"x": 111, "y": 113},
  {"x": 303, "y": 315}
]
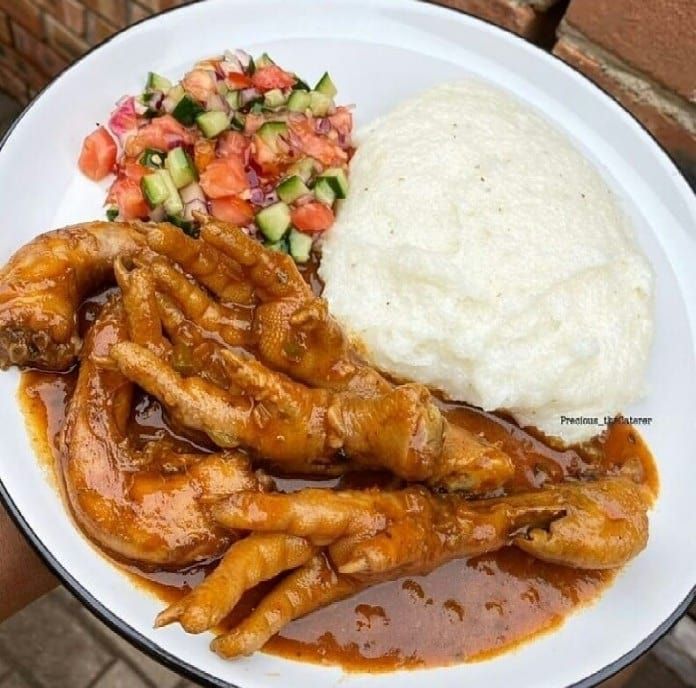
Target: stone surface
[{"x": 50, "y": 643}]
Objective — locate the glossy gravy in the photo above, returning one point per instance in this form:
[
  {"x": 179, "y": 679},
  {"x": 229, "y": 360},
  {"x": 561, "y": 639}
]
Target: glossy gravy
[{"x": 464, "y": 611}]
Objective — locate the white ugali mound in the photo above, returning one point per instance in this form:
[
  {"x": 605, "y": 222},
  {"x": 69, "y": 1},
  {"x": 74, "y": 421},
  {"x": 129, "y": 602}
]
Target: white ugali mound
[{"x": 479, "y": 253}]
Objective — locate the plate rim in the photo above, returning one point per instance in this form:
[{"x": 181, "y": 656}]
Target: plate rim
[{"x": 110, "y": 618}]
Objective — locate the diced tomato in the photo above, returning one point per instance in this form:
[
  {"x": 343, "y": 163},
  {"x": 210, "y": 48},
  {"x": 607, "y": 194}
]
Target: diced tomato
[
  {"x": 237, "y": 81},
  {"x": 232, "y": 209},
  {"x": 305, "y": 139},
  {"x": 127, "y": 195},
  {"x": 98, "y": 155},
  {"x": 200, "y": 83},
  {"x": 268, "y": 78},
  {"x": 224, "y": 177},
  {"x": 312, "y": 217},
  {"x": 342, "y": 121},
  {"x": 161, "y": 133},
  {"x": 253, "y": 123},
  {"x": 203, "y": 154},
  {"x": 132, "y": 169},
  {"x": 232, "y": 144}
]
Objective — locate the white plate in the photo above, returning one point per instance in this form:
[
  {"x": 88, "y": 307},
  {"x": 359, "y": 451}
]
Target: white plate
[{"x": 379, "y": 52}]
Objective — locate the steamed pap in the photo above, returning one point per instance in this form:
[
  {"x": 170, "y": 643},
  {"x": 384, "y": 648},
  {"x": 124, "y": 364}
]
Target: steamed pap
[{"x": 492, "y": 262}]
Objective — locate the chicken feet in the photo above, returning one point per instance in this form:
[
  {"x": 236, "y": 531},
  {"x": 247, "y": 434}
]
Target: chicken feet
[
  {"x": 43, "y": 284},
  {"x": 354, "y": 539}
]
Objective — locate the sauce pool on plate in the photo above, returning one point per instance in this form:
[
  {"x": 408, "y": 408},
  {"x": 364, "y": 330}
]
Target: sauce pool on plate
[{"x": 467, "y": 610}]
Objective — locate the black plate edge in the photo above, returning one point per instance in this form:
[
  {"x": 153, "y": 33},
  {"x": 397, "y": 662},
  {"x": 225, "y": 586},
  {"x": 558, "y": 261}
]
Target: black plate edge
[{"x": 116, "y": 624}]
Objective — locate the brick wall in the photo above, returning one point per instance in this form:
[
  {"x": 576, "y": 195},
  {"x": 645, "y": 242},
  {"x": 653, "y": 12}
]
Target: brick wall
[
  {"x": 642, "y": 51},
  {"x": 38, "y": 38}
]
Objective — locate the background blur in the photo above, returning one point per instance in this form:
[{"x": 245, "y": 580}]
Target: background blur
[{"x": 642, "y": 51}]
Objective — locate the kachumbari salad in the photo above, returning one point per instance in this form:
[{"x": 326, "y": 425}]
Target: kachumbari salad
[{"x": 240, "y": 139}]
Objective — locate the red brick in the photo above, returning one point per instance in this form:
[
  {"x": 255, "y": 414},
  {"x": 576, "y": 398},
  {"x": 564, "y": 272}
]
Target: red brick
[
  {"x": 523, "y": 20},
  {"x": 671, "y": 133},
  {"x": 159, "y": 5},
  {"x": 98, "y": 29},
  {"x": 68, "y": 12},
  {"x": 113, "y": 11},
  {"x": 657, "y": 38},
  {"x": 137, "y": 12},
  {"x": 22, "y": 68},
  {"x": 24, "y": 12},
  {"x": 42, "y": 55},
  {"x": 64, "y": 41},
  {"x": 5, "y": 34},
  {"x": 13, "y": 85}
]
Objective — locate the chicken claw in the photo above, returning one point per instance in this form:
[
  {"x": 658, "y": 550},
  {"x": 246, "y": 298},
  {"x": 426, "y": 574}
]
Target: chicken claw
[
  {"x": 43, "y": 284},
  {"x": 362, "y": 538},
  {"x": 213, "y": 269},
  {"x": 308, "y": 588},
  {"x": 257, "y": 558}
]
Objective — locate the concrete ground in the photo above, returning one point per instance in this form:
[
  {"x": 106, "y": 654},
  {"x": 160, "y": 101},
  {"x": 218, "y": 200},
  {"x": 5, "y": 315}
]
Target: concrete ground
[{"x": 56, "y": 643}]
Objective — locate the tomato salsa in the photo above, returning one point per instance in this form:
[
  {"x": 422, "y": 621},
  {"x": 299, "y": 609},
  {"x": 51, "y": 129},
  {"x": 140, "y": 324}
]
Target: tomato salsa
[{"x": 238, "y": 138}]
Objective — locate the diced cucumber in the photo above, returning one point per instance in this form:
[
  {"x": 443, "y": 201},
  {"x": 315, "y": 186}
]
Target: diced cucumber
[
  {"x": 156, "y": 82},
  {"x": 338, "y": 180},
  {"x": 300, "y": 84},
  {"x": 186, "y": 226},
  {"x": 159, "y": 189},
  {"x": 263, "y": 61},
  {"x": 152, "y": 158},
  {"x": 320, "y": 103},
  {"x": 186, "y": 110},
  {"x": 274, "y": 98},
  {"x": 299, "y": 101},
  {"x": 173, "y": 205},
  {"x": 180, "y": 167},
  {"x": 270, "y": 131},
  {"x": 281, "y": 245},
  {"x": 155, "y": 188},
  {"x": 238, "y": 121},
  {"x": 256, "y": 106},
  {"x": 233, "y": 99},
  {"x": 300, "y": 245},
  {"x": 291, "y": 188},
  {"x": 303, "y": 168},
  {"x": 326, "y": 86},
  {"x": 111, "y": 213},
  {"x": 212, "y": 123},
  {"x": 274, "y": 220},
  {"x": 176, "y": 93},
  {"x": 324, "y": 191}
]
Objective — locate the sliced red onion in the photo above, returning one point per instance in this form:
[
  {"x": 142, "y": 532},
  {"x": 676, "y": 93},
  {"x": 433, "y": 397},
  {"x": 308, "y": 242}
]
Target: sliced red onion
[
  {"x": 231, "y": 64},
  {"x": 192, "y": 192},
  {"x": 216, "y": 102},
  {"x": 244, "y": 58},
  {"x": 252, "y": 178},
  {"x": 322, "y": 125},
  {"x": 344, "y": 141},
  {"x": 124, "y": 119},
  {"x": 156, "y": 100},
  {"x": 157, "y": 214},
  {"x": 304, "y": 199},
  {"x": 270, "y": 197},
  {"x": 194, "y": 207},
  {"x": 247, "y": 95},
  {"x": 257, "y": 196}
]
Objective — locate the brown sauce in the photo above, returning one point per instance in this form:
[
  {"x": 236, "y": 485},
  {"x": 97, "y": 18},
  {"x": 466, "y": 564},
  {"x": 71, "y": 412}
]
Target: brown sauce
[{"x": 464, "y": 611}]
